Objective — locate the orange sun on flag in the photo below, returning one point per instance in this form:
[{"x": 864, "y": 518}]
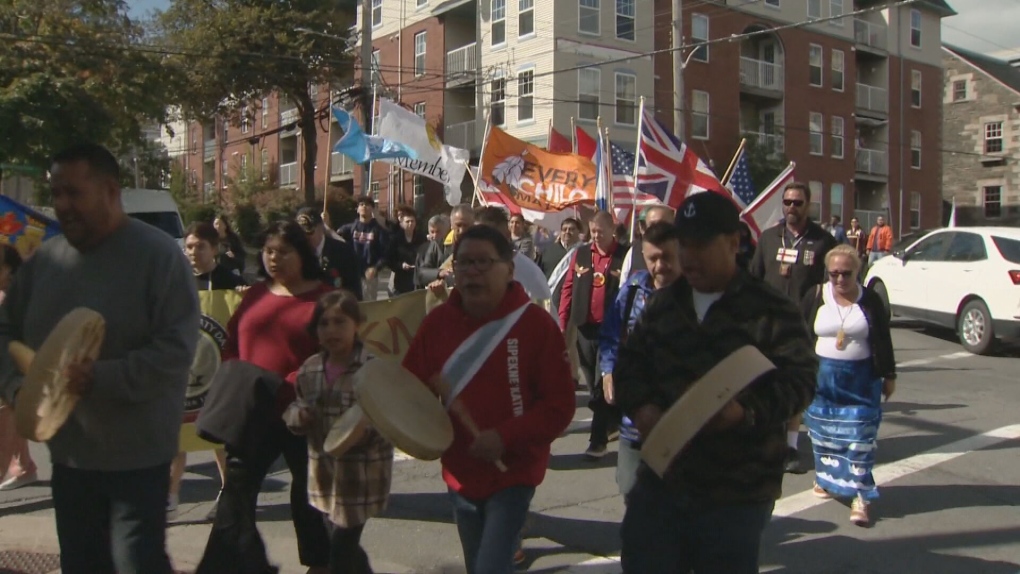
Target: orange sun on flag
[{"x": 9, "y": 225}]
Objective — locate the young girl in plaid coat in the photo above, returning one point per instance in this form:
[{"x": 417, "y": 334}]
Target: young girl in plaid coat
[{"x": 355, "y": 486}]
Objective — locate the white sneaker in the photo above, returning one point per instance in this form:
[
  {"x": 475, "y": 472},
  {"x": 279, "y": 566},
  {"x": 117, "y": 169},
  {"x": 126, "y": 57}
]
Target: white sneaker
[
  {"x": 211, "y": 515},
  {"x": 171, "y": 507},
  {"x": 19, "y": 481}
]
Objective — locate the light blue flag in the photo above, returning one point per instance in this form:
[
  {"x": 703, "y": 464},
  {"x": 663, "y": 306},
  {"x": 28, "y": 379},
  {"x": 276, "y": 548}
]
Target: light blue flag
[{"x": 362, "y": 148}]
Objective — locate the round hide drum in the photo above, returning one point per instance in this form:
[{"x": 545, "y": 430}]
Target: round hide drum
[
  {"x": 347, "y": 431},
  {"x": 44, "y": 403},
  {"x": 403, "y": 409}
]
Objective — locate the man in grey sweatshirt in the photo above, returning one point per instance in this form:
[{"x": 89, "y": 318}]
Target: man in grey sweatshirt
[{"x": 111, "y": 459}]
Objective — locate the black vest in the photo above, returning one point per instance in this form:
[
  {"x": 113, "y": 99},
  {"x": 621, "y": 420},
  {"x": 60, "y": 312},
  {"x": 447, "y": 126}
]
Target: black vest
[{"x": 581, "y": 300}]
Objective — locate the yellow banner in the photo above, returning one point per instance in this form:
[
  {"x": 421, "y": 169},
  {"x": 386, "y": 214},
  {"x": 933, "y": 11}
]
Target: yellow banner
[{"x": 390, "y": 324}]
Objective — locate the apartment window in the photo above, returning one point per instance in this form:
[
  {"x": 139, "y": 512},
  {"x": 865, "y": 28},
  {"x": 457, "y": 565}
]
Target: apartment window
[
  {"x": 699, "y": 33},
  {"x": 589, "y": 84},
  {"x": 959, "y": 90},
  {"x": 376, "y": 78},
  {"x": 588, "y": 20},
  {"x": 814, "y": 9},
  {"x": 993, "y": 201},
  {"x": 815, "y": 122},
  {"x": 993, "y": 137},
  {"x": 626, "y": 99},
  {"x": 245, "y": 125},
  {"x": 243, "y": 173},
  {"x": 265, "y": 112},
  {"x": 226, "y": 133},
  {"x": 419, "y": 54},
  {"x": 498, "y": 34},
  {"x": 915, "y": 88},
  {"x": 915, "y": 28},
  {"x": 525, "y": 18},
  {"x": 835, "y": 11},
  {"x": 498, "y": 99},
  {"x": 815, "y": 65},
  {"x": 915, "y": 210},
  {"x": 837, "y": 136},
  {"x": 374, "y": 188},
  {"x": 699, "y": 114},
  {"x": 838, "y": 65},
  {"x": 418, "y": 186},
  {"x": 419, "y": 109},
  {"x": 772, "y": 3},
  {"x": 224, "y": 170},
  {"x": 915, "y": 149},
  {"x": 625, "y": 13},
  {"x": 526, "y": 96},
  {"x": 420, "y": 3},
  {"x": 265, "y": 164},
  {"x": 376, "y": 13},
  {"x": 815, "y": 205},
  {"x": 836, "y": 200}
]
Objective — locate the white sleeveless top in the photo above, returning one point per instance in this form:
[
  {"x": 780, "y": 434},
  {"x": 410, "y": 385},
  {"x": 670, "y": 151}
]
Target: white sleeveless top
[{"x": 855, "y": 328}]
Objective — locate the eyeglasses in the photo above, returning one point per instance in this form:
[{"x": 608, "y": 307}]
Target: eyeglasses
[
  {"x": 838, "y": 274},
  {"x": 793, "y": 202},
  {"x": 482, "y": 264}
]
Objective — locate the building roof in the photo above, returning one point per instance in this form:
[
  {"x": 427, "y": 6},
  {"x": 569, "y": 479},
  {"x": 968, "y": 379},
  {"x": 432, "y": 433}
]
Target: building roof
[
  {"x": 940, "y": 6},
  {"x": 999, "y": 70}
]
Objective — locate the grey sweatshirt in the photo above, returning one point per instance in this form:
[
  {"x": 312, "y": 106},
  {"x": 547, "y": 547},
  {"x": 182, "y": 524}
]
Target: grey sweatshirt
[{"x": 140, "y": 282}]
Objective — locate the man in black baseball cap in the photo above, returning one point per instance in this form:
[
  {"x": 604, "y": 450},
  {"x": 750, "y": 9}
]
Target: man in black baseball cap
[
  {"x": 340, "y": 265},
  {"x": 728, "y": 477}
]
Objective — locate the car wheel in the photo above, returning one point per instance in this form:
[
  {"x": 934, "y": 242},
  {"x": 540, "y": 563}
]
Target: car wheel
[
  {"x": 974, "y": 328},
  {"x": 883, "y": 295}
]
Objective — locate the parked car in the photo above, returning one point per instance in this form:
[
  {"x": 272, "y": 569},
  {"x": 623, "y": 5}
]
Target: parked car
[
  {"x": 155, "y": 207},
  {"x": 966, "y": 278}
]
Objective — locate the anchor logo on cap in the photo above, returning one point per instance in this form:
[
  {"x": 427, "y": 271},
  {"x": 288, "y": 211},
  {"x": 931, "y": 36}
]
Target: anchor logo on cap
[{"x": 690, "y": 211}]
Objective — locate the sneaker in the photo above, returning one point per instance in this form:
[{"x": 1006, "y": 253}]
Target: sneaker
[
  {"x": 859, "y": 512},
  {"x": 19, "y": 481},
  {"x": 614, "y": 435},
  {"x": 519, "y": 557},
  {"x": 171, "y": 507},
  {"x": 821, "y": 492},
  {"x": 595, "y": 451},
  {"x": 793, "y": 464},
  {"x": 211, "y": 515}
]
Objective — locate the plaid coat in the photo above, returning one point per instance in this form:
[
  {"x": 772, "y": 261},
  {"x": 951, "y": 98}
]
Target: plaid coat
[{"x": 354, "y": 487}]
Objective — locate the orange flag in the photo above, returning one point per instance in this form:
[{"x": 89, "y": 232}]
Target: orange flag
[{"x": 536, "y": 179}]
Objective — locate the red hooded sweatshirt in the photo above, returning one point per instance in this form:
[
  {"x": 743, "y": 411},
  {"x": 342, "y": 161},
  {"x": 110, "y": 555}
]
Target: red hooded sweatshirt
[{"x": 523, "y": 390}]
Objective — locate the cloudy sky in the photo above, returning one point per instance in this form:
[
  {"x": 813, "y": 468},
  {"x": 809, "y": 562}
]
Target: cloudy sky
[{"x": 981, "y": 25}]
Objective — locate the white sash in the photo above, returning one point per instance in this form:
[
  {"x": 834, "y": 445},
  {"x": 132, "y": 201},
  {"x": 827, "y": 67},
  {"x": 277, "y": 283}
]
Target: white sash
[{"x": 464, "y": 363}]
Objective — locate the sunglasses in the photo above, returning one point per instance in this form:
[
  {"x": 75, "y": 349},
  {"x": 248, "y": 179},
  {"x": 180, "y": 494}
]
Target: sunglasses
[
  {"x": 794, "y": 202},
  {"x": 837, "y": 274}
]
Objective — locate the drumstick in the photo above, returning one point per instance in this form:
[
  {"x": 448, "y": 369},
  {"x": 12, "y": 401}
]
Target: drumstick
[{"x": 457, "y": 407}]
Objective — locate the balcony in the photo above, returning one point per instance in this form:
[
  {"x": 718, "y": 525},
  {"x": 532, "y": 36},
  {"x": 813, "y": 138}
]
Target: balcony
[
  {"x": 761, "y": 75},
  {"x": 210, "y": 149},
  {"x": 774, "y": 143},
  {"x": 288, "y": 173},
  {"x": 872, "y": 99},
  {"x": 872, "y": 162},
  {"x": 288, "y": 117},
  {"x": 340, "y": 165},
  {"x": 462, "y": 65},
  {"x": 461, "y": 135},
  {"x": 871, "y": 35}
]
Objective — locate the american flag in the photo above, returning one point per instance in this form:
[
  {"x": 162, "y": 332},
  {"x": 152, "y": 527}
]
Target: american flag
[
  {"x": 740, "y": 184},
  {"x": 673, "y": 171},
  {"x": 623, "y": 179}
]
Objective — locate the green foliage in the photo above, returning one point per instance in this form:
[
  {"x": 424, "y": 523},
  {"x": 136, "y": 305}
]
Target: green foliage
[
  {"x": 198, "y": 212},
  {"x": 764, "y": 163},
  {"x": 247, "y": 222},
  {"x": 341, "y": 208}
]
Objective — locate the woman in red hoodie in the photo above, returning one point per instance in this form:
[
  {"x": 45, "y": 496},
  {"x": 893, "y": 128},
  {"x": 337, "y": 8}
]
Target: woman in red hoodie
[{"x": 500, "y": 364}]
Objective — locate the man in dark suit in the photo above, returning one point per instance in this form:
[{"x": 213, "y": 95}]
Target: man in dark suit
[{"x": 340, "y": 265}]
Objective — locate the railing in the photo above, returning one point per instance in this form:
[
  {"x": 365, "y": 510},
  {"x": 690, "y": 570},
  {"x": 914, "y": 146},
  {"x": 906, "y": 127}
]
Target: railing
[
  {"x": 210, "y": 149},
  {"x": 288, "y": 173},
  {"x": 460, "y": 135},
  {"x": 340, "y": 164},
  {"x": 773, "y": 142},
  {"x": 872, "y": 161},
  {"x": 288, "y": 116},
  {"x": 761, "y": 74},
  {"x": 872, "y": 98},
  {"x": 871, "y": 34},
  {"x": 462, "y": 64}
]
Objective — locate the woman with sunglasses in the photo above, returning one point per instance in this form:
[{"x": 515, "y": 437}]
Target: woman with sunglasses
[{"x": 856, "y": 367}]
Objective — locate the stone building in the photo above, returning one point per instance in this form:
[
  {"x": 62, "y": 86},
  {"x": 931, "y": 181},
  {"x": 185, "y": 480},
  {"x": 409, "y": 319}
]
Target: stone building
[{"x": 981, "y": 130}]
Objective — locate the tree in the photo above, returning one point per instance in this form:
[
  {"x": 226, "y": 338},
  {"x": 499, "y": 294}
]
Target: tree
[
  {"x": 764, "y": 162},
  {"x": 73, "y": 70},
  {"x": 234, "y": 52}
]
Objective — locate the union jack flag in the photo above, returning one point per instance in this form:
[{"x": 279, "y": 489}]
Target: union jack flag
[
  {"x": 624, "y": 196},
  {"x": 672, "y": 170}
]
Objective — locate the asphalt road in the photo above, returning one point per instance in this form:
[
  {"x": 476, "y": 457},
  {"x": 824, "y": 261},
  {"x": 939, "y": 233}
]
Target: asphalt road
[{"x": 948, "y": 474}]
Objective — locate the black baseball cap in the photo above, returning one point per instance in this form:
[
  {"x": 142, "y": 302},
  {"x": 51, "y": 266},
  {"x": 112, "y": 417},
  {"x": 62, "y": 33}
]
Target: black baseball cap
[
  {"x": 309, "y": 219},
  {"x": 704, "y": 215}
]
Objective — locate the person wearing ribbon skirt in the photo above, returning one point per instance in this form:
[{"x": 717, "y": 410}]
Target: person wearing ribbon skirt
[{"x": 850, "y": 327}]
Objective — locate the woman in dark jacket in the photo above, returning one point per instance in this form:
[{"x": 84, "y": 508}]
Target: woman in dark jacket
[
  {"x": 850, "y": 327},
  {"x": 402, "y": 251},
  {"x": 232, "y": 255}
]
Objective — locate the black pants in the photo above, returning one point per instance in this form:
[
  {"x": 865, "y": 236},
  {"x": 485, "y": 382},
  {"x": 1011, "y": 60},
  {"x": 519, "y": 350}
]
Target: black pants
[
  {"x": 111, "y": 521},
  {"x": 604, "y": 416},
  {"x": 235, "y": 546},
  {"x": 346, "y": 556}
]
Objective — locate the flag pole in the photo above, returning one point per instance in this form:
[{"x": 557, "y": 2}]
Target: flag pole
[
  {"x": 598, "y": 142},
  {"x": 573, "y": 136},
  {"x": 548, "y": 135},
  {"x": 733, "y": 162},
  {"x": 481, "y": 157},
  {"x": 637, "y": 159},
  {"x": 368, "y": 188},
  {"x": 607, "y": 166}
]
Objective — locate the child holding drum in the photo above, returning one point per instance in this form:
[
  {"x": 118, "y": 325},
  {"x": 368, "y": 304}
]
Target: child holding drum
[{"x": 354, "y": 486}]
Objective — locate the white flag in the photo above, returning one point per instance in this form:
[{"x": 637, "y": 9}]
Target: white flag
[
  {"x": 767, "y": 209},
  {"x": 435, "y": 161}
]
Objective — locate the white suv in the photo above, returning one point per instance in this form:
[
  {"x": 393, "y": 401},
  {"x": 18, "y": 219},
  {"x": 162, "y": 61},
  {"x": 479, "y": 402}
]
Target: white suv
[{"x": 967, "y": 278}]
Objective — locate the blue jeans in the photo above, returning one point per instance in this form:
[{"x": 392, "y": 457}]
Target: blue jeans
[
  {"x": 669, "y": 533},
  {"x": 489, "y": 529},
  {"x": 875, "y": 256},
  {"x": 111, "y": 521},
  {"x": 628, "y": 459}
]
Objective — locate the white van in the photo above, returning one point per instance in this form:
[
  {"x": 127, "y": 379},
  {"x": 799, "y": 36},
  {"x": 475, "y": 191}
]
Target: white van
[{"x": 155, "y": 207}]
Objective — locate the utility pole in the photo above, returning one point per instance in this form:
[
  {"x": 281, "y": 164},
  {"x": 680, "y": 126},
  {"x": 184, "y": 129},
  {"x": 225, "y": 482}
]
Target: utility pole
[
  {"x": 366, "y": 85},
  {"x": 678, "y": 70}
]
